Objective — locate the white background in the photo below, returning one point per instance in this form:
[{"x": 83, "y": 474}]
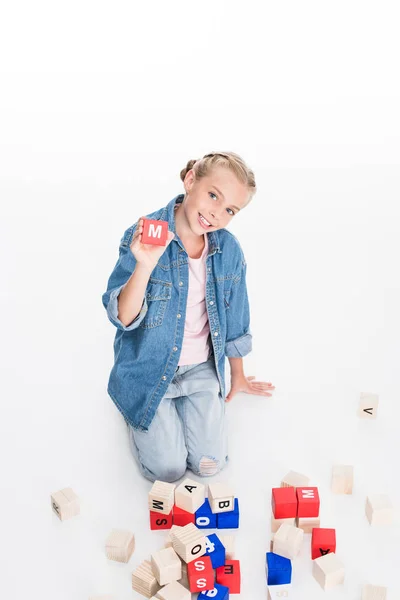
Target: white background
[{"x": 102, "y": 104}]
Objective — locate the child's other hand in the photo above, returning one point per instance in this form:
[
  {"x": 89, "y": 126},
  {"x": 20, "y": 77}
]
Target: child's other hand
[{"x": 246, "y": 384}]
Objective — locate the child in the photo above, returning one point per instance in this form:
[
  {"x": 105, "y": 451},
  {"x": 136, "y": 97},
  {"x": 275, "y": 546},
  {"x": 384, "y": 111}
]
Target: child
[{"x": 179, "y": 310}]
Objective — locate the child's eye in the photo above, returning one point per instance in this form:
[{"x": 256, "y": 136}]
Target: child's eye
[
  {"x": 232, "y": 213},
  {"x": 212, "y": 193}
]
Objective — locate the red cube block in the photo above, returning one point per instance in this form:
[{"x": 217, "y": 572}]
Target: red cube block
[
  {"x": 284, "y": 503},
  {"x": 160, "y": 521},
  {"x": 182, "y": 517},
  {"x": 229, "y": 575},
  {"x": 154, "y": 232},
  {"x": 308, "y": 502},
  {"x": 323, "y": 541},
  {"x": 200, "y": 574}
]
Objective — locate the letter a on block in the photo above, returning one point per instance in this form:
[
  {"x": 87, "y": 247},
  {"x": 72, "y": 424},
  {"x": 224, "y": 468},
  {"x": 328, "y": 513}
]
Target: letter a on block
[{"x": 154, "y": 232}]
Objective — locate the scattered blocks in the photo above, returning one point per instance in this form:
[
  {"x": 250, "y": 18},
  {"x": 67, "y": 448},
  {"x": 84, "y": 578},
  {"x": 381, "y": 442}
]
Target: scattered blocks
[
  {"x": 174, "y": 591},
  {"x": 221, "y": 497},
  {"x": 278, "y": 569},
  {"x": 307, "y": 524},
  {"x": 373, "y": 592},
  {"x": 204, "y": 517},
  {"x": 182, "y": 517},
  {"x": 294, "y": 479},
  {"x": 288, "y": 540},
  {"x": 342, "y": 479},
  {"x": 188, "y": 542},
  {"x": 228, "y": 541},
  {"x": 201, "y": 574},
  {"x": 328, "y": 571},
  {"x": 144, "y": 581},
  {"x": 161, "y": 497},
  {"x": 120, "y": 545},
  {"x": 154, "y": 232},
  {"x": 230, "y": 519},
  {"x": 190, "y": 495},
  {"x": 215, "y": 550},
  {"x": 308, "y": 502},
  {"x": 379, "y": 510},
  {"x": 284, "y": 503},
  {"x": 65, "y": 504},
  {"x": 229, "y": 576},
  {"x": 220, "y": 592},
  {"x": 368, "y": 406},
  {"x": 168, "y": 540},
  {"x": 276, "y": 523},
  {"x": 279, "y": 591},
  {"x": 323, "y": 541},
  {"x": 160, "y": 521},
  {"x": 166, "y": 565}
]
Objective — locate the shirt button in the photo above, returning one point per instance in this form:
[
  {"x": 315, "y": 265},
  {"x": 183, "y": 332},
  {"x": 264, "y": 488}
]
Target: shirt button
[
  {"x": 211, "y": 302},
  {"x": 179, "y": 315},
  {"x": 175, "y": 348},
  {"x": 181, "y": 283},
  {"x": 164, "y": 377},
  {"x": 215, "y": 332}
]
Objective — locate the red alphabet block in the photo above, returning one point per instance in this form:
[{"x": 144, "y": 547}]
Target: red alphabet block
[
  {"x": 229, "y": 575},
  {"x": 284, "y": 502},
  {"x": 323, "y": 541},
  {"x": 160, "y": 521},
  {"x": 182, "y": 517},
  {"x": 154, "y": 232},
  {"x": 200, "y": 574},
  {"x": 308, "y": 502}
]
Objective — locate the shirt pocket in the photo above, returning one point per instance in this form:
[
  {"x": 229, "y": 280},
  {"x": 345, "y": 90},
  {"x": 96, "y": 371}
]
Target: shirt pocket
[
  {"x": 158, "y": 294},
  {"x": 227, "y": 293}
]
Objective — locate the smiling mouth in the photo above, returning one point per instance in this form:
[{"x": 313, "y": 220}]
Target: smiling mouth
[{"x": 207, "y": 223}]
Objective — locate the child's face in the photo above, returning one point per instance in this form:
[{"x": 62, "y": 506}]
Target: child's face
[{"x": 217, "y": 197}]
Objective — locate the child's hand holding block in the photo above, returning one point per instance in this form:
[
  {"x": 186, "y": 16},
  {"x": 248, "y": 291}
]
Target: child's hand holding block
[{"x": 154, "y": 232}]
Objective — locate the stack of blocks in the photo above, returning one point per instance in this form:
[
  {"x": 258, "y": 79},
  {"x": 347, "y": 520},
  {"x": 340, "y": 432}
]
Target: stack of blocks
[{"x": 191, "y": 562}]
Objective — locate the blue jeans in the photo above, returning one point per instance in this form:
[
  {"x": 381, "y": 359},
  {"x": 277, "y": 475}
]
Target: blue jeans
[{"x": 188, "y": 429}]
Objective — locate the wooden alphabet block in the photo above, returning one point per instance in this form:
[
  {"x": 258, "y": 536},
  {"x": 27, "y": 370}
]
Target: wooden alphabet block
[
  {"x": 342, "y": 479},
  {"x": 154, "y": 232},
  {"x": 160, "y": 521},
  {"x": 174, "y": 591},
  {"x": 184, "y": 580},
  {"x": 284, "y": 503},
  {"x": 188, "y": 542},
  {"x": 182, "y": 517},
  {"x": 220, "y": 592},
  {"x": 294, "y": 479},
  {"x": 204, "y": 517},
  {"x": 166, "y": 565},
  {"x": 278, "y": 569},
  {"x": 379, "y": 509},
  {"x": 323, "y": 541},
  {"x": 190, "y": 495},
  {"x": 276, "y": 523},
  {"x": 280, "y": 591},
  {"x": 229, "y": 576},
  {"x": 120, "y": 545},
  {"x": 65, "y": 503},
  {"x": 229, "y": 519},
  {"x": 221, "y": 497},
  {"x": 328, "y": 570},
  {"x": 368, "y": 406},
  {"x": 161, "y": 497},
  {"x": 144, "y": 581},
  {"x": 201, "y": 574},
  {"x": 228, "y": 541},
  {"x": 168, "y": 539},
  {"x": 307, "y": 524},
  {"x": 288, "y": 540},
  {"x": 374, "y": 592},
  {"x": 308, "y": 502}
]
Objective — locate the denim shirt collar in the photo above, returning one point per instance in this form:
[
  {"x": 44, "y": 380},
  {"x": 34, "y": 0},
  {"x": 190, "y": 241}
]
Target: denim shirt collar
[{"x": 213, "y": 238}]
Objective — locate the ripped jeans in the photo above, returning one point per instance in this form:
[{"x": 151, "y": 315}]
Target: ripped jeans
[{"x": 188, "y": 429}]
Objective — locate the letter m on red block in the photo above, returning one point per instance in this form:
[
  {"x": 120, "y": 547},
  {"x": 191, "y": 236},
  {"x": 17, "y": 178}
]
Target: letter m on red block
[{"x": 154, "y": 232}]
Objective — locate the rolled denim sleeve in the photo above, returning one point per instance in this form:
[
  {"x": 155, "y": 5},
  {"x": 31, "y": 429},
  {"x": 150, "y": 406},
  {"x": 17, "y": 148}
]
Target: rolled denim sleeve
[
  {"x": 238, "y": 335},
  {"x": 122, "y": 271}
]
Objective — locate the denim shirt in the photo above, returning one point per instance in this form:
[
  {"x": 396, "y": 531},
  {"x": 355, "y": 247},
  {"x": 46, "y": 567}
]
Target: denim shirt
[{"x": 146, "y": 352}]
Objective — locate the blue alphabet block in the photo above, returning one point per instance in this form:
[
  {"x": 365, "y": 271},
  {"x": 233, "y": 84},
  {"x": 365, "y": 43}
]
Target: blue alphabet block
[
  {"x": 278, "y": 569},
  {"x": 215, "y": 550},
  {"x": 230, "y": 519},
  {"x": 220, "y": 592},
  {"x": 204, "y": 517}
]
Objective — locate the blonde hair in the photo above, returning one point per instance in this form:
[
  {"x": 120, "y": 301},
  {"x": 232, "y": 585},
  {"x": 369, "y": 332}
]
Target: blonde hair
[{"x": 203, "y": 166}]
